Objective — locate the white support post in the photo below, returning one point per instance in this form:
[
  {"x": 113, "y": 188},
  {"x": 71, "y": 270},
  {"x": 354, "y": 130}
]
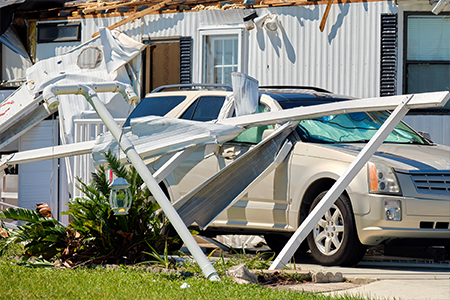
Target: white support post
[
  {"x": 131, "y": 153},
  {"x": 339, "y": 186}
]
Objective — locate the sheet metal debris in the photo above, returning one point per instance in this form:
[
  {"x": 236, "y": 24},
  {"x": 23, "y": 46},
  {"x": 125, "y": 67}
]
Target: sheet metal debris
[
  {"x": 153, "y": 136},
  {"x": 204, "y": 203}
]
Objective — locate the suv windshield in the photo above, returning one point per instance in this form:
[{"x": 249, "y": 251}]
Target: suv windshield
[
  {"x": 354, "y": 128},
  {"x": 345, "y": 128},
  {"x": 154, "y": 106}
]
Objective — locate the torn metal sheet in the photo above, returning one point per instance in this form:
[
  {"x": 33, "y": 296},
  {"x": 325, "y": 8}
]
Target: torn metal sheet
[
  {"x": 11, "y": 39},
  {"x": 25, "y": 122},
  {"x": 84, "y": 64},
  {"x": 246, "y": 95},
  {"x": 153, "y": 136},
  {"x": 19, "y": 112},
  {"x": 118, "y": 48},
  {"x": 204, "y": 203}
]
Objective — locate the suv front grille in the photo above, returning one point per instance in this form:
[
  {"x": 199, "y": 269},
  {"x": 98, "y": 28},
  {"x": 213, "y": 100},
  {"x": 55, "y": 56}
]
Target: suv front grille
[{"x": 432, "y": 182}]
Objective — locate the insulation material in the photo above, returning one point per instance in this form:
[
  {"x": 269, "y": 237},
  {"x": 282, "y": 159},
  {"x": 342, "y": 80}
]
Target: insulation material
[{"x": 153, "y": 136}]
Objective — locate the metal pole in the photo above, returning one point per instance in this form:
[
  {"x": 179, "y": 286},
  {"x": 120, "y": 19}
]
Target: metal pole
[
  {"x": 339, "y": 186},
  {"x": 207, "y": 268}
]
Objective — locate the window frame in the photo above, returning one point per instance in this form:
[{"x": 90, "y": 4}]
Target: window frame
[
  {"x": 205, "y": 32},
  {"x": 56, "y": 26},
  {"x": 406, "y": 62}
]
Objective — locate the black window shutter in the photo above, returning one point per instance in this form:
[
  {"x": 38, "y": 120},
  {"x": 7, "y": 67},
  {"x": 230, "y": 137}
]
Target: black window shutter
[
  {"x": 185, "y": 59},
  {"x": 388, "y": 66}
]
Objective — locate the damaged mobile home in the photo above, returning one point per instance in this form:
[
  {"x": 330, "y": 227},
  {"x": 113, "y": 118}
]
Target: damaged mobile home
[{"x": 190, "y": 42}]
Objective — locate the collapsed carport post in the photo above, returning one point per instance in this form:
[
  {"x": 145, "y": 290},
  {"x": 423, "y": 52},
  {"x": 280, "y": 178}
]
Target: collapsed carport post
[
  {"x": 340, "y": 185},
  {"x": 90, "y": 93}
]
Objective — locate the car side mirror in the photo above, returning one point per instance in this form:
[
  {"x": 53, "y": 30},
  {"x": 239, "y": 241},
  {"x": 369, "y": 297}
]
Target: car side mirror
[{"x": 425, "y": 135}]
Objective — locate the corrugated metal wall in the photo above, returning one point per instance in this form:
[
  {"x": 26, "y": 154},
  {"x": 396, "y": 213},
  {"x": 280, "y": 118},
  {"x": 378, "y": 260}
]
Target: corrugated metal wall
[
  {"x": 437, "y": 126},
  {"x": 13, "y": 65},
  {"x": 344, "y": 58}
]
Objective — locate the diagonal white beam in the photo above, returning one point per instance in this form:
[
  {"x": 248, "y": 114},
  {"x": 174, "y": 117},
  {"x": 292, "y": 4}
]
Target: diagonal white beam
[
  {"x": 339, "y": 186},
  {"x": 89, "y": 92}
]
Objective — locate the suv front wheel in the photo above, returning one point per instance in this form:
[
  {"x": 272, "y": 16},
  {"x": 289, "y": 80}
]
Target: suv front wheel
[{"x": 334, "y": 240}]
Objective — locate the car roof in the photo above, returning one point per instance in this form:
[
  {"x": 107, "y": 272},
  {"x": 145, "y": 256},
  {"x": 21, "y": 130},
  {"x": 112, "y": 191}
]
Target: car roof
[
  {"x": 189, "y": 93},
  {"x": 302, "y": 97}
]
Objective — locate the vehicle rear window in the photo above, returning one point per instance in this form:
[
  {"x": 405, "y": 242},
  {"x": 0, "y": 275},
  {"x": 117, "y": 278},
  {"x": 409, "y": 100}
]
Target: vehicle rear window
[{"x": 155, "y": 106}]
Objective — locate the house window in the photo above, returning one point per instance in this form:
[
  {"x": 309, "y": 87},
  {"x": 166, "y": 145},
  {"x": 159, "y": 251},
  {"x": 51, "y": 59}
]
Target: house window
[
  {"x": 427, "y": 52},
  {"x": 59, "y": 32},
  {"x": 221, "y": 55}
]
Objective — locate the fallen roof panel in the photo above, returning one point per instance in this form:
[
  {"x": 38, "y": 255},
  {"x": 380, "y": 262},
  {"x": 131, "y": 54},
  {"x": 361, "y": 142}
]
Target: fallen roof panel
[{"x": 424, "y": 100}]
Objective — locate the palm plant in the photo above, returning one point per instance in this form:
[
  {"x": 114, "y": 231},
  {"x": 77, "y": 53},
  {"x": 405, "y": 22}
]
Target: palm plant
[
  {"x": 95, "y": 233},
  {"x": 41, "y": 236}
]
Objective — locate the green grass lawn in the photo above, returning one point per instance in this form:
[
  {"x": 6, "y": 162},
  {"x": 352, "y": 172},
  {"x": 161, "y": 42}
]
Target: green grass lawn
[{"x": 22, "y": 282}]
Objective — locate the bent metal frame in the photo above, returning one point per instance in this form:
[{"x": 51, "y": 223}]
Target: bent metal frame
[{"x": 399, "y": 104}]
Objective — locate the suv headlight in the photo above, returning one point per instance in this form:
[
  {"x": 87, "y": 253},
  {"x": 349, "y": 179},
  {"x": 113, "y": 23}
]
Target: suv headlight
[{"x": 382, "y": 180}]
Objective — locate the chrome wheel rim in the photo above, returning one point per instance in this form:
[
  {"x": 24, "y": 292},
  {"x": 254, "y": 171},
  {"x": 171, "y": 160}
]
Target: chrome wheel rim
[{"x": 329, "y": 231}]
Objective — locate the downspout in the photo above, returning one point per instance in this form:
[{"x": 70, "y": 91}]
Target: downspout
[{"x": 89, "y": 91}]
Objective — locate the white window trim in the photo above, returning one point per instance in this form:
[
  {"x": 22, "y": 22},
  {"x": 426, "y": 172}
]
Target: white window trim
[{"x": 217, "y": 31}]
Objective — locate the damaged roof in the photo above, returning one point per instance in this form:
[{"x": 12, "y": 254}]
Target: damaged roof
[{"x": 77, "y": 9}]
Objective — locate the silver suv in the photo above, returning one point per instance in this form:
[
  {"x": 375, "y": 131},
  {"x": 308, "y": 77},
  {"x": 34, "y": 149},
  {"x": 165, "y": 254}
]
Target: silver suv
[{"x": 402, "y": 193}]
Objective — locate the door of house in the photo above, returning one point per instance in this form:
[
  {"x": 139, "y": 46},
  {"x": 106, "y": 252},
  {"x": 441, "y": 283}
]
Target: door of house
[
  {"x": 167, "y": 60},
  {"x": 162, "y": 64},
  {"x": 38, "y": 181}
]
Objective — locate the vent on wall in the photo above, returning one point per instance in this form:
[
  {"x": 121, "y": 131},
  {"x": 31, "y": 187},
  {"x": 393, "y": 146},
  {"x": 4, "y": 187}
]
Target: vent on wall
[
  {"x": 388, "y": 65},
  {"x": 185, "y": 59}
]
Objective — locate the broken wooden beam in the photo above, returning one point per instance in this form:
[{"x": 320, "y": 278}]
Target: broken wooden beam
[
  {"x": 138, "y": 15},
  {"x": 325, "y": 15}
]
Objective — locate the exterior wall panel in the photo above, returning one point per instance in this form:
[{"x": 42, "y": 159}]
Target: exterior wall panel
[
  {"x": 344, "y": 58},
  {"x": 437, "y": 126}
]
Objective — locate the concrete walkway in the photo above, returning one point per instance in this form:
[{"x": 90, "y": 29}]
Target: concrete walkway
[{"x": 385, "y": 283}]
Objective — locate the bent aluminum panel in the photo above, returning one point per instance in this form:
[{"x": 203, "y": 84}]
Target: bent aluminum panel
[
  {"x": 25, "y": 120},
  {"x": 153, "y": 136},
  {"x": 203, "y": 204}
]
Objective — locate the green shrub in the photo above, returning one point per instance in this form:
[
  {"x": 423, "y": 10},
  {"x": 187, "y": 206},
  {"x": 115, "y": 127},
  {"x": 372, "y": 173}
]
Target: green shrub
[{"x": 94, "y": 232}]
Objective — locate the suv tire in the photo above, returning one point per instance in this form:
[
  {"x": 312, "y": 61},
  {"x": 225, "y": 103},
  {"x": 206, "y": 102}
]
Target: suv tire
[{"x": 334, "y": 240}]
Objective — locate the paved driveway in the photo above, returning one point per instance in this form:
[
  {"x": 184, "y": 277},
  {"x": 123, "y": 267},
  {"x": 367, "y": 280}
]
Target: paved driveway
[{"x": 381, "y": 282}]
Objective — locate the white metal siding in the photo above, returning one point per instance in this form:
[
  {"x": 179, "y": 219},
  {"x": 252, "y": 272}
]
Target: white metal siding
[
  {"x": 437, "y": 126},
  {"x": 86, "y": 130},
  {"x": 344, "y": 58},
  {"x": 38, "y": 181},
  {"x": 13, "y": 65}
]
